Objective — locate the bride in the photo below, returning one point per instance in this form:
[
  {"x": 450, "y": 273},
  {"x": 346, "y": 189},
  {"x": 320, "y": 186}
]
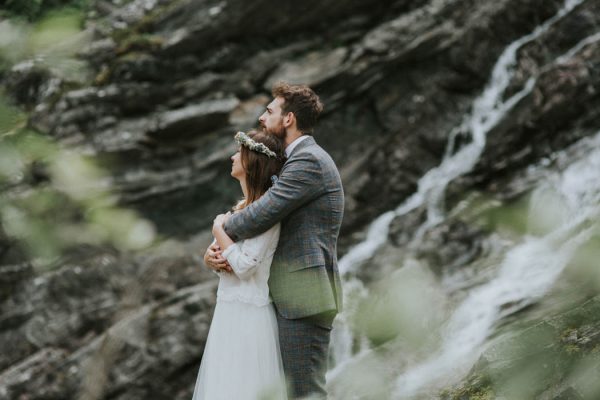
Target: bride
[{"x": 241, "y": 358}]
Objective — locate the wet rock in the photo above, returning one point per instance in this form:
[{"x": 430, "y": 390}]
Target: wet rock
[
  {"x": 10, "y": 278},
  {"x": 64, "y": 307},
  {"x": 99, "y": 51},
  {"x": 393, "y": 87},
  {"x": 192, "y": 120},
  {"x": 311, "y": 69},
  {"x": 26, "y": 80},
  {"x": 165, "y": 336},
  {"x": 547, "y": 114},
  {"x": 144, "y": 67},
  {"x": 550, "y": 350},
  {"x": 450, "y": 246}
]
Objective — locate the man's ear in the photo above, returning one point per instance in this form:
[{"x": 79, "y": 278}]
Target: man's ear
[{"x": 289, "y": 120}]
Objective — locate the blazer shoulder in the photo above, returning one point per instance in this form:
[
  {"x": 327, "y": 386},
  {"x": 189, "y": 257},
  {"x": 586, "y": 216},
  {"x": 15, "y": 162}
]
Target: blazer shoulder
[
  {"x": 311, "y": 151},
  {"x": 321, "y": 156}
]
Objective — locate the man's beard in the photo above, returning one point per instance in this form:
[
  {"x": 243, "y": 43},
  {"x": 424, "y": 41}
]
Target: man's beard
[{"x": 278, "y": 131}]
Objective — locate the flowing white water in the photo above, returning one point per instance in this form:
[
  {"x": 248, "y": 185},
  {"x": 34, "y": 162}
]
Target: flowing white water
[
  {"x": 568, "y": 55},
  {"x": 525, "y": 275},
  {"x": 487, "y": 110}
]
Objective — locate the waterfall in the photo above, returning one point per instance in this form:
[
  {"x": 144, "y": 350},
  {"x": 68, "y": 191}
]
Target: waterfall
[
  {"x": 487, "y": 110},
  {"x": 525, "y": 275},
  {"x": 568, "y": 55}
]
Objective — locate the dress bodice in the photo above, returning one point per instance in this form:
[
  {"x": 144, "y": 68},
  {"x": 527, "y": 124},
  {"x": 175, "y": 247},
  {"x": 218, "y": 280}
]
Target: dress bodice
[{"x": 250, "y": 260}]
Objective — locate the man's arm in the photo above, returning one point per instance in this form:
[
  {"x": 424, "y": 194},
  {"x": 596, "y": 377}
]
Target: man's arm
[{"x": 300, "y": 181}]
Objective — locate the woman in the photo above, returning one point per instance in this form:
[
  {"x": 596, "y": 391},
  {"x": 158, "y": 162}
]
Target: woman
[{"x": 241, "y": 358}]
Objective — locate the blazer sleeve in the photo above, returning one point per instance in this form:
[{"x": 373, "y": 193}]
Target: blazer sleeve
[
  {"x": 245, "y": 256},
  {"x": 300, "y": 181}
]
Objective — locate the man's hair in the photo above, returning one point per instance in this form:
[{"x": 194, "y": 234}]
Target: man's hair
[{"x": 302, "y": 101}]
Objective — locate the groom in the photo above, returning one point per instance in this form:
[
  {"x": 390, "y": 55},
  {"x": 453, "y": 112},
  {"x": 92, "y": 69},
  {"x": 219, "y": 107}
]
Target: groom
[{"x": 308, "y": 200}]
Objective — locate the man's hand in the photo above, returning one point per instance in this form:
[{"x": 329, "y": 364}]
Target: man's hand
[
  {"x": 215, "y": 260},
  {"x": 219, "y": 221}
]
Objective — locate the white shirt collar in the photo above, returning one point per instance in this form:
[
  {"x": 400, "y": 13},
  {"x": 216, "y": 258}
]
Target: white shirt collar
[{"x": 290, "y": 147}]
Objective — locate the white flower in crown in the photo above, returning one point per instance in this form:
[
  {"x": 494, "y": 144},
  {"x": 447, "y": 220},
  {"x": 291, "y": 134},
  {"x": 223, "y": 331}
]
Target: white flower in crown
[{"x": 244, "y": 140}]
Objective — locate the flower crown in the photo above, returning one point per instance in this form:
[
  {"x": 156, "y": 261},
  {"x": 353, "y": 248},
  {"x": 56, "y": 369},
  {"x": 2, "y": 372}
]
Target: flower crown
[{"x": 244, "y": 140}]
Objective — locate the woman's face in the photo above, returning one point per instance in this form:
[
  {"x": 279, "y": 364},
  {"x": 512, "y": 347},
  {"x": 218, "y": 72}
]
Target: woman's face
[{"x": 237, "y": 169}]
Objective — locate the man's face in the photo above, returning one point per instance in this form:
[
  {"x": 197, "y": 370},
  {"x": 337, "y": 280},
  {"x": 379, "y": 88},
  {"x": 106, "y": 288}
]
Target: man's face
[{"x": 272, "y": 120}]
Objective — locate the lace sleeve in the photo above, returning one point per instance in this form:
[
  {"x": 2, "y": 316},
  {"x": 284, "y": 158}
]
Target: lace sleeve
[{"x": 246, "y": 255}]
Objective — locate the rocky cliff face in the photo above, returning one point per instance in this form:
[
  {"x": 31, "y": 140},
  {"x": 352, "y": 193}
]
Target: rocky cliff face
[
  {"x": 172, "y": 80},
  {"x": 395, "y": 79}
]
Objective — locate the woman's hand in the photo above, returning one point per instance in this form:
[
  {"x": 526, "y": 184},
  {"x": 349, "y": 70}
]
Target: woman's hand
[{"x": 214, "y": 259}]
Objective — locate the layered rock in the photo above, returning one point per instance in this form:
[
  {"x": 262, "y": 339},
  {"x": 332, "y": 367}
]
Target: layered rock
[
  {"x": 394, "y": 87},
  {"x": 106, "y": 327}
]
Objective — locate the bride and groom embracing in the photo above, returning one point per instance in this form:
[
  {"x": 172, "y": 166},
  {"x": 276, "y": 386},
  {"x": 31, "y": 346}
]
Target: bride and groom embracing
[{"x": 279, "y": 287}]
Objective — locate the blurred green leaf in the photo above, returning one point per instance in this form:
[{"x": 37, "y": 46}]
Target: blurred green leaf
[
  {"x": 34, "y": 9},
  {"x": 10, "y": 116},
  {"x": 408, "y": 305},
  {"x": 55, "y": 28}
]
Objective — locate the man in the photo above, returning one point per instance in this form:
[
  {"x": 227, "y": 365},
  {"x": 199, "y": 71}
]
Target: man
[{"x": 308, "y": 200}]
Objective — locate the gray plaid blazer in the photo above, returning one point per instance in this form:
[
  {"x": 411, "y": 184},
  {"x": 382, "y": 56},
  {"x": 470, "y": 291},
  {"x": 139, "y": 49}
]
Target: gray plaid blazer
[{"x": 308, "y": 200}]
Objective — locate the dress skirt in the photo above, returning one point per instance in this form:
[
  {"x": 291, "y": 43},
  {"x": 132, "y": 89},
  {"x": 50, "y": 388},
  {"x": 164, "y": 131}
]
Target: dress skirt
[{"x": 241, "y": 358}]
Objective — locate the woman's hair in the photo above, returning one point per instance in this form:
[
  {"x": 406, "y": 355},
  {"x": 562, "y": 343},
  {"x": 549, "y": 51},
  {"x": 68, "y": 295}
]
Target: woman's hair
[{"x": 260, "y": 167}]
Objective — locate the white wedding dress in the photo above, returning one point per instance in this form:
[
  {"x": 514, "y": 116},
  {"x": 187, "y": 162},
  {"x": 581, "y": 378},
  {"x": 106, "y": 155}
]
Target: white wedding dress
[{"x": 241, "y": 358}]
